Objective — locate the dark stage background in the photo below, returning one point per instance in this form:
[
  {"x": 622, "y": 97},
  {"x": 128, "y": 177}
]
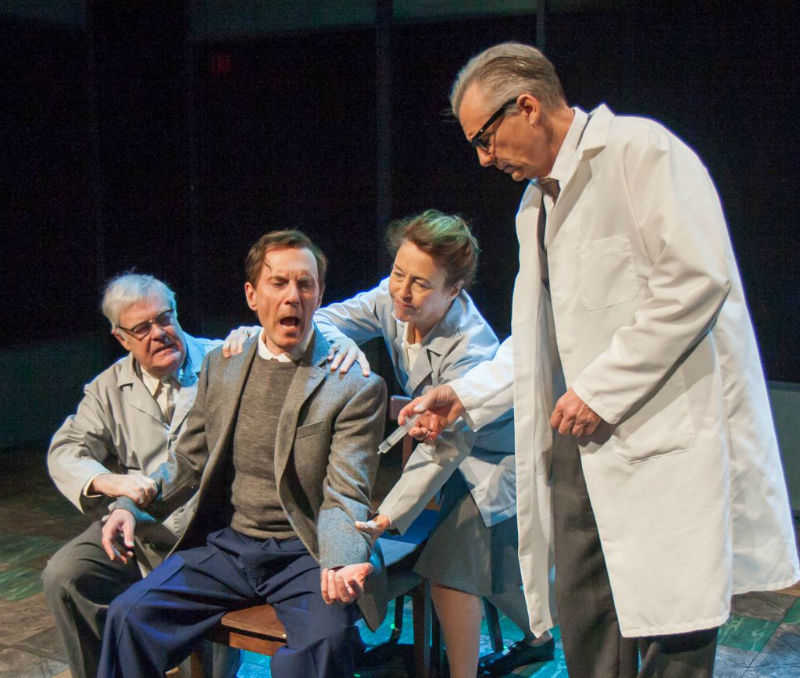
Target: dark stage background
[{"x": 133, "y": 138}]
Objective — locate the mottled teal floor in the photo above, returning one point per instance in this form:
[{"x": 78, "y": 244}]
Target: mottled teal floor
[{"x": 761, "y": 640}]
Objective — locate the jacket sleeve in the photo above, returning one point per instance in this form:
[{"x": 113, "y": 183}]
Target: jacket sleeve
[
  {"x": 684, "y": 233},
  {"x": 355, "y": 318},
  {"x": 82, "y": 448},
  {"x": 352, "y": 467},
  {"x": 430, "y": 466},
  {"x": 487, "y": 390},
  {"x": 179, "y": 477},
  {"x": 427, "y": 470}
]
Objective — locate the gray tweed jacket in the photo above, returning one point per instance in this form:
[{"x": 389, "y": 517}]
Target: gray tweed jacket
[{"x": 325, "y": 460}]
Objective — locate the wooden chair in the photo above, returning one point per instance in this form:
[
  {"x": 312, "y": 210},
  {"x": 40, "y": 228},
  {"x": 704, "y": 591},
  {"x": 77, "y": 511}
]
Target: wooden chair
[{"x": 258, "y": 629}]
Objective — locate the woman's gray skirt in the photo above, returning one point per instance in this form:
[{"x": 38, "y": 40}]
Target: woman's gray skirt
[{"x": 463, "y": 554}]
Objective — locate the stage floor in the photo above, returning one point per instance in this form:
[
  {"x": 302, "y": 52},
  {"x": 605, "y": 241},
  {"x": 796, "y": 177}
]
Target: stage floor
[{"x": 761, "y": 639}]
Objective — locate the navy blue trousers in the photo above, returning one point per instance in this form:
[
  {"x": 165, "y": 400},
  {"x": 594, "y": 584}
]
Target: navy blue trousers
[{"x": 160, "y": 620}]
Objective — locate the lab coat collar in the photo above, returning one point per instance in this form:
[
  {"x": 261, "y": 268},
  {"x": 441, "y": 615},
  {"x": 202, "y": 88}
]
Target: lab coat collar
[
  {"x": 595, "y": 136},
  {"x": 438, "y": 341}
]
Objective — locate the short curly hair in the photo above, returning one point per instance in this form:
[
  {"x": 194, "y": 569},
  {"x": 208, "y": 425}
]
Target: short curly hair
[{"x": 445, "y": 237}]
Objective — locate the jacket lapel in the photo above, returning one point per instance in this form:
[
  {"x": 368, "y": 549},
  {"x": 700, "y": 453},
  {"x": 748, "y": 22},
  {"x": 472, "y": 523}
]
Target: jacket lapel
[
  {"x": 437, "y": 343},
  {"x": 592, "y": 139},
  {"x": 140, "y": 397},
  {"x": 311, "y": 372},
  {"x": 422, "y": 370},
  {"x": 235, "y": 373}
]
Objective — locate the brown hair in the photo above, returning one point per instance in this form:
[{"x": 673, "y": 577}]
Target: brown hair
[
  {"x": 445, "y": 237},
  {"x": 278, "y": 240}
]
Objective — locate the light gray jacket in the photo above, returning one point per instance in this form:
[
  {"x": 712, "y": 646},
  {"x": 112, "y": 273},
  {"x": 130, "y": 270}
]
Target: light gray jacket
[
  {"x": 325, "y": 461},
  {"x": 118, "y": 428},
  {"x": 460, "y": 340}
]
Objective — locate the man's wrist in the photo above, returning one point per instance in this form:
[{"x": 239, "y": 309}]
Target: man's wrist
[{"x": 90, "y": 489}]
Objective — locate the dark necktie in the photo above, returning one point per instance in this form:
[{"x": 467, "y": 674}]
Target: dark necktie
[{"x": 548, "y": 186}]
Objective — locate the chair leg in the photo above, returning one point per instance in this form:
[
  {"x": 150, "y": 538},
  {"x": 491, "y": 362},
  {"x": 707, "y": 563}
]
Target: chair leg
[
  {"x": 397, "y": 627},
  {"x": 493, "y": 625},
  {"x": 196, "y": 660},
  {"x": 422, "y": 609},
  {"x": 440, "y": 667}
]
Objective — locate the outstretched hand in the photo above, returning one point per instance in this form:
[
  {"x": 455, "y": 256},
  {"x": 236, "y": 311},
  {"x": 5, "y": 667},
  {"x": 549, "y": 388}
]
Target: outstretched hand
[
  {"x": 374, "y": 528},
  {"x": 120, "y": 523},
  {"x": 344, "y": 584},
  {"x": 343, "y": 353},
  {"x": 438, "y": 408}
]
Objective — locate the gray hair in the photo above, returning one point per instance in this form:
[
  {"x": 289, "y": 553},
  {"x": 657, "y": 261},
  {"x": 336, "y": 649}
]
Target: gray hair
[
  {"x": 130, "y": 288},
  {"x": 506, "y": 71}
]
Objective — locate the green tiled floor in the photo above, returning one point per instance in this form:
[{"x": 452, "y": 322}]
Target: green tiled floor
[
  {"x": 793, "y": 615},
  {"x": 17, "y": 548},
  {"x": 19, "y": 583},
  {"x": 746, "y": 633},
  {"x": 762, "y": 638}
]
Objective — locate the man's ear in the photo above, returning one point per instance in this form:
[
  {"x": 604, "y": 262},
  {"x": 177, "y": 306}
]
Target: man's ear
[
  {"x": 250, "y": 295},
  {"x": 122, "y": 340},
  {"x": 321, "y": 294},
  {"x": 531, "y": 107}
]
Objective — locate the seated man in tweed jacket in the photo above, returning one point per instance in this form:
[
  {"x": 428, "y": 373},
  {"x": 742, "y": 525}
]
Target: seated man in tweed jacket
[{"x": 281, "y": 453}]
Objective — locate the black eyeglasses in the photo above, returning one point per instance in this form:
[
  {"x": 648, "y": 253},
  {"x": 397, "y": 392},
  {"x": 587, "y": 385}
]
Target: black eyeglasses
[
  {"x": 140, "y": 331},
  {"x": 483, "y": 144}
]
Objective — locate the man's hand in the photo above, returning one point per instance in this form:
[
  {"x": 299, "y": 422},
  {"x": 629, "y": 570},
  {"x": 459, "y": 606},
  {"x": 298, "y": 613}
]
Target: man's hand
[
  {"x": 120, "y": 523},
  {"x": 344, "y": 584},
  {"x": 235, "y": 341},
  {"x": 344, "y": 352},
  {"x": 574, "y": 417},
  {"x": 137, "y": 487},
  {"x": 374, "y": 528},
  {"x": 439, "y": 408}
]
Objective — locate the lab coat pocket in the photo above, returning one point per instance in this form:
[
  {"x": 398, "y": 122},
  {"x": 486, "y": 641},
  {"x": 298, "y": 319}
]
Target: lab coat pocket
[
  {"x": 663, "y": 425},
  {"x": 608, "y": 275}
]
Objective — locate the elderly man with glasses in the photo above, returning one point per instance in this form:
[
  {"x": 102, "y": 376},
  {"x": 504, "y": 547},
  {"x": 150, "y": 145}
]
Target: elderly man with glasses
[{"x": 130, "y": 416}]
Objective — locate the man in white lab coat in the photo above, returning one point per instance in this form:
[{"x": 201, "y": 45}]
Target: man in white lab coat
[{"x": 662, "y": 486}]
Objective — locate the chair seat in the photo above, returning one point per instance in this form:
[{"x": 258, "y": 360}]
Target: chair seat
[
  {"x": 260, "y": 619},
  {"x": 256, "y": 629}
]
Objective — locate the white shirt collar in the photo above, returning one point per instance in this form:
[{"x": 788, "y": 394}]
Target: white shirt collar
[
  {"x": 566, "y": 154},
  {"x": 411, "y": 350},
  {"x": 151, "y": 383},
  {"x": 285, "y": 357}
]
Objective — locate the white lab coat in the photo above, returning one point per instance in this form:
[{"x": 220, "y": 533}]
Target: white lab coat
[
  {"x": 119, "y": 428},
  {"x": 461, "y": 339},
  {"x": 649, "y": 320}
]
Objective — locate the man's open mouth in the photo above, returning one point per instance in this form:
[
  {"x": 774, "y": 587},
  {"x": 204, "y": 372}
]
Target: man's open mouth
[{"x": 290, "y": 323}]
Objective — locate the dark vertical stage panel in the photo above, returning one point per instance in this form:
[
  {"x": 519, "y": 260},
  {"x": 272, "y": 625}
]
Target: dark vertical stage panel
[
  {"x": 286, "y": 140},
  {"x": 435, "y": 167},
  {"x": 141, "y": 108},
  {"x": 46, "y": 217}
]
